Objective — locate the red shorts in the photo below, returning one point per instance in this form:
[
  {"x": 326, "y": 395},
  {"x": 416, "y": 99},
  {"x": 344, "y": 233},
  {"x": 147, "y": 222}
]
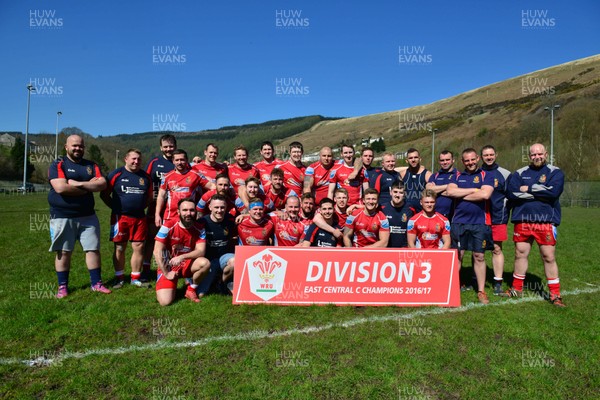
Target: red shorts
[
  {"x": 499, "y": 233},
  {"x": 183, "y": 271},
  {"x": 544, "y": 234},
  {"x": 124, "y": 228}
]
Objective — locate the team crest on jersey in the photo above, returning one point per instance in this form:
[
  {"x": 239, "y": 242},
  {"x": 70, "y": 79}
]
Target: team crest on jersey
[
  {"x": 226, "y": 231},
  {"x": 142, "y": 182},
  {"x": 263, "y": 232},
  {"x": 188, "y": 180},
  {"x": 294, "y": 230},
  {"x": 89, "y": 170},
  {"x": 374, "y": 227},
  {"x": 495, "y": 182},
  {"x": 543, "y": 178},
  {"x": 404, "y": 218},
  {"x": 476, "y": 179},
  {"x": 438, "y": 227}
]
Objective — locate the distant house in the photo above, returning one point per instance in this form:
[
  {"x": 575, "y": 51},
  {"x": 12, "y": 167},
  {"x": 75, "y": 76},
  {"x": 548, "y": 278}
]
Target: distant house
[
  {"x": 312, "y": 157},
  {"x": 366, "y": 142},
  {"x": 7, "y": 140}
]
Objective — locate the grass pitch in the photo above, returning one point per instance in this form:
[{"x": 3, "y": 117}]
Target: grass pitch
[{"x": 125, "y": 346}]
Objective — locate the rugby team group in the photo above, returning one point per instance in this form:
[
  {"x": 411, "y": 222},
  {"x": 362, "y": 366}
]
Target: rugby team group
[{"x": 188, "y": 215}]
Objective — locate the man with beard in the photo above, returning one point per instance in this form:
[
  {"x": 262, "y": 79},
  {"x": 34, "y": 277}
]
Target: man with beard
[
  {"x": 499, "y": 211},
  {"x": 181, "y": 183},
  {"x": 414, "y": 177},
  {"x": 224, "y": 189},
  {"x": 534, "y": 192},
  {"x": 276, "y": 192},
  {"x": 241, "y": 170},
  {"x": 369, "y": 226},
  {"x": 73, "y": 181},
  {"x": 179, "y": 252},
  {"x": 316, "y": 180},
  {"x": 157, "y": 168},
  {"x": 397, "y": 212},
  {"x": 128, "y": 192},
  {"x": 438, "y": 182}
]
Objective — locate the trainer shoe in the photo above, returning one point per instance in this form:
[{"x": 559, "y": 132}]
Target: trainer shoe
[
  {"x": 464, "y": 288},
  {"x": 512, "y": 293},
  {"x": 557, "y": 300},
  {"x": 119, "y": 284},
  {"x": 139, "y": 283},
  {"x": 482, "y": 297},
  {"x": 192, "y": 295},
  {"x": 498, "y": 289},
  {"x": 99, "y": 287},
  {"x": 62, "y": 292}
]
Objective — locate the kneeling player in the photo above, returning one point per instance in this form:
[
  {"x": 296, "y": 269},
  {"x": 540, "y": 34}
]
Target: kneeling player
[
  {"x": 256, "y": 229},
  {"x": 427, "y": 227},
  {"x": 179, "y": 252}
]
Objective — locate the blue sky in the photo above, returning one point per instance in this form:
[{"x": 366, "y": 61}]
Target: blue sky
[{"x": 116, "y": 67}]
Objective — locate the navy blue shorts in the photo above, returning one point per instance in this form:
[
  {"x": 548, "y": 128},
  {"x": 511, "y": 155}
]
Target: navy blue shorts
[{"x": 477, "y": 238}]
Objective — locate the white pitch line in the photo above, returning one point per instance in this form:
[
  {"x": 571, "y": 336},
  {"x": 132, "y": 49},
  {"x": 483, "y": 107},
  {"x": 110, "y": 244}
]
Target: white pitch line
[{"x": 257, "y": 335}]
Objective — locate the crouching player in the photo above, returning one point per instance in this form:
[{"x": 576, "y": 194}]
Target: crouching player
[
  {"x": 426, "y": 229},
  {"x": 179, "y": 252}
]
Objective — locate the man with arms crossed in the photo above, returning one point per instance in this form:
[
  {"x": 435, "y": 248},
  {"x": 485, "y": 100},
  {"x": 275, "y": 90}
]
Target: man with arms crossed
[
  {"x": 179, "y": 252},
  {"x": 73, "y": 181},
  {"x": 534, "y": 191},
  {"x": 471, "y": 223},
  {"x": 128, "y": 192}
]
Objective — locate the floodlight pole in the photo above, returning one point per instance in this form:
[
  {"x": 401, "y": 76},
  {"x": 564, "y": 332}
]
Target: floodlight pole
[
  {"x": 433, "y": 131},
  {"x": 58, "y": 114},
  {"x": 30, "y": 88},
  {"x": 551, "y": 109}
]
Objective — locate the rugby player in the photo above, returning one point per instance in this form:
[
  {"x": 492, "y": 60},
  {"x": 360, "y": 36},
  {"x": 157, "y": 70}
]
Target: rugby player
[
  {"x": 499, "y": 210},
  {"x": 256, "y": 229},
  {"x": 221, "y": 237},
  {"x": 397, "y": 212},
  {"x": 268, "y": 163},
  {"x": 179, "y": 253},
  {"x": 127, "y": 194},
  {"x": 339, "y": 177},
  {"x": 471, "y": 223},
  {"x": 428, "y": 229},
  {"x": 73, "y": 181},
  {"x": 316, "y": 179},
  {"x": 536, "y": 214},
  {"x": 317, "y": 237},
  {"x": 438, "y": 182},
  {"x": 369, "y": 226},
  {"x": 415, "y": 176}
]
